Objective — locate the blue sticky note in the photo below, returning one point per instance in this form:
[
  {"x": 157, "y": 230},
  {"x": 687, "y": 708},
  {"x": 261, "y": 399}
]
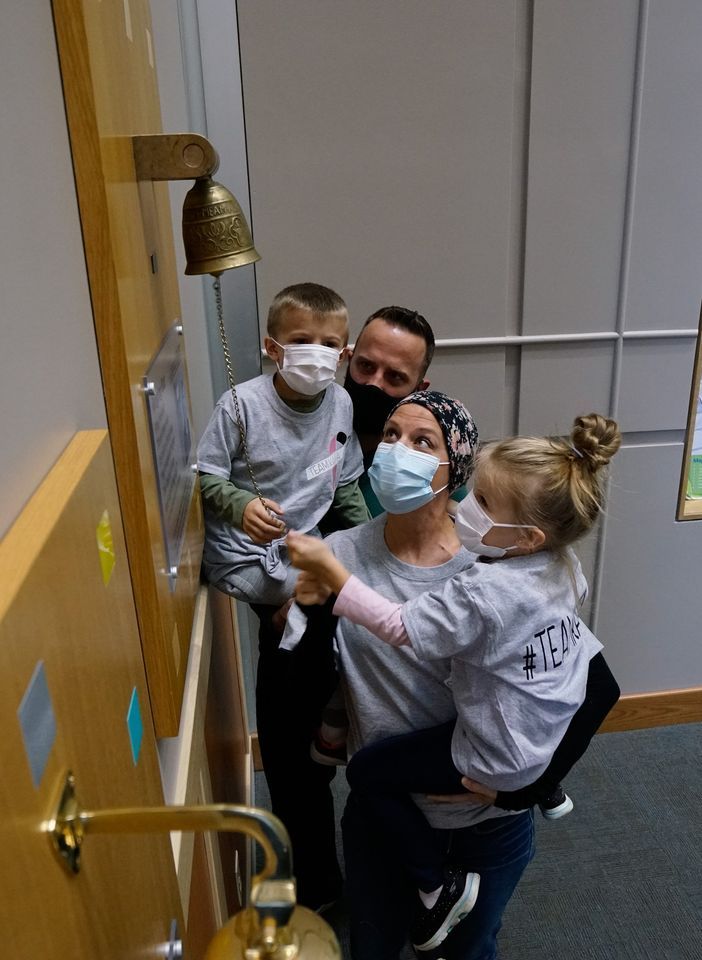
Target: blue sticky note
[
  {"x": 37, "y": 722},
  {"x": 134, "y": 725}
]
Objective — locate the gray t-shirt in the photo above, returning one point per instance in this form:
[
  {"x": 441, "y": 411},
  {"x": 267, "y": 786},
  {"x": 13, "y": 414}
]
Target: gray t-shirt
[
  {"x": 519, "y": 660},
  {"x": 388, "y": 690},
  {"x": 298, "y": 458}
]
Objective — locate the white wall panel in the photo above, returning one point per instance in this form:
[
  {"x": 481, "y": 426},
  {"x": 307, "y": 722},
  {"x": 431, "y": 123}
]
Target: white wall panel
[
  {"x": 581, "y": 99},
  {"x": 665, "y": 283},
  {"x": 649, "y": 612},
  {"x": 655, "y": 384},
  {"x": 560, "y": 381},
  {"x": 380, "y": 141}
]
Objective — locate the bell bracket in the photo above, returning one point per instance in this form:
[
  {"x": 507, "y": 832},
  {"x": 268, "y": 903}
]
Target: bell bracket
[{"x": 174, "y": 156}]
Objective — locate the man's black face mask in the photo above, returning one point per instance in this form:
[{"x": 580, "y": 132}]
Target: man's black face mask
[{"x": 371, "y": 406}]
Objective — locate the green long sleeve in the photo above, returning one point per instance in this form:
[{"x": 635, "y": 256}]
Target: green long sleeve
[
  {"x": 224, "y": 499},
  {"x": 349, "y": 506}
]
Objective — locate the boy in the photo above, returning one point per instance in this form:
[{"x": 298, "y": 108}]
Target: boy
[
  {"x": 306, "y": 459},
  {"x": 303, "y": 452}
]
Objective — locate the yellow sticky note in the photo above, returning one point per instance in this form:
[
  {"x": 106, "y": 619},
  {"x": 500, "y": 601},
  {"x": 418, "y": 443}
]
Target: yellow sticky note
[{"x": 106, "y": 547}]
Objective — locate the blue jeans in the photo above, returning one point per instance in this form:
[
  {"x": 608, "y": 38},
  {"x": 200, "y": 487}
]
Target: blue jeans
[
  {"x": 381, "y": 896},
  {"x": 383, "y": 776}
]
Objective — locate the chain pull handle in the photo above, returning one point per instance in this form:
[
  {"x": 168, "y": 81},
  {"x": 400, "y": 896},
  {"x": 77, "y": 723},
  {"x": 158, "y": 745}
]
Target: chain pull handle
[{"x": 232, "y": 386}]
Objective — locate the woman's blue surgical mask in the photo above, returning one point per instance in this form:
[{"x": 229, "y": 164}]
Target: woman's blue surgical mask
[{"x": 401, "y": 477}]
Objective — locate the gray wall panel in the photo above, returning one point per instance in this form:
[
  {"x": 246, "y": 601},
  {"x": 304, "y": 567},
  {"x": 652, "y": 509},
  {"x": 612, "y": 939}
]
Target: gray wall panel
[
  {"x": 507, "y": 177},
  {"x": 477, "y": 377},
  {"x": 175, "y": 117},
  {"x": 561, "y": 381},
  {"x": 655, "y": 384},
  {"x": 665, "y": 288},
  {"x": 649, "y": 612},
  {"x": 380, "y": 150},
  {"x": 582, "y": 83},
  {"x": 50, "y": 383}
]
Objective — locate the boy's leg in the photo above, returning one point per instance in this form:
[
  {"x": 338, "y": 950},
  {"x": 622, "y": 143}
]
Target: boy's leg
[
  {"x": 384, "y": 775},
  {"x": 289, "y": 702},
  {"x": 380, "y": 897}
]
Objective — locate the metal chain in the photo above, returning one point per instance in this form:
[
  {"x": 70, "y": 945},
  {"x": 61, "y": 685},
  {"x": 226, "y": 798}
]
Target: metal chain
[{"x": 232, "y": 386}]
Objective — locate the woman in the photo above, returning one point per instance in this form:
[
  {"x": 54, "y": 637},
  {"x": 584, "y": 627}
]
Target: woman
[{"x": 411, "y": 549}]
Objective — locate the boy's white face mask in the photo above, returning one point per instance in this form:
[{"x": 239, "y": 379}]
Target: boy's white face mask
[
  {"x": 472, "y": 524},
  {"x": 308, "y": 368}
]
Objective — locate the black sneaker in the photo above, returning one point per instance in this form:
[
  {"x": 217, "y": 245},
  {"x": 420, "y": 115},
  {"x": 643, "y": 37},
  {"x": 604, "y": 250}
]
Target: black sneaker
[
  {"x": 331, "y": 755},
  {"x": 456, "y": 900},
  {"x": 556, "y": 805}
]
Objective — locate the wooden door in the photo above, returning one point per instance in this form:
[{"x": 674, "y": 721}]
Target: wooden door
[
  {"x": 72, "y": 696},
  {"x": 109, "y": 82}
]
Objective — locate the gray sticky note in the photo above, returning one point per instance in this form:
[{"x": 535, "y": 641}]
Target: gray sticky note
[{"x": 38, "y": 722}]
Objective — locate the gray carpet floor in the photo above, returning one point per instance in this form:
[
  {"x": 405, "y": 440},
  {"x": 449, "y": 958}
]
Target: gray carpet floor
[{"x": 620, "y": 878}]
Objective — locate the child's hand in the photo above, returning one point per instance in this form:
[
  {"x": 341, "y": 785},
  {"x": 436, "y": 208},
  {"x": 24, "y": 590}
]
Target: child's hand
[
  {"x": 312, "y": 554},
  {"x": 308, "y": 553},
  {"x": 309, "y": 590},
  {"x": 259, "y": 524}
]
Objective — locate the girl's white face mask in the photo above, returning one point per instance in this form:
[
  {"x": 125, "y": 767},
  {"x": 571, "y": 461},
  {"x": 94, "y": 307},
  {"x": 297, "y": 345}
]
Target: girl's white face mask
[
  {"x": 308, "y": 368},
  {"x": 472, "y": 524}
]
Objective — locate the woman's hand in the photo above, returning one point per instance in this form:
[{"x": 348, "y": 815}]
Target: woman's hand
[
  {"x": 309, "y": 590},
  {"x": 312, "y": 554},
  {"x": 476, "y": 793}
]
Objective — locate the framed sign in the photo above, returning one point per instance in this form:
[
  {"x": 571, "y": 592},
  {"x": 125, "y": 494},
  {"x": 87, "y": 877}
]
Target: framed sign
[
  {"x": 171, "y": 442},
  {"x": 690, "y": 496}
]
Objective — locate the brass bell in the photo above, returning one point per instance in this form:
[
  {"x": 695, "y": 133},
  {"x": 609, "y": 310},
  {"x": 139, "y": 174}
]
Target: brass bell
[
  {"x": 216, "y": 235},
  {"x": 306, "y": 936}
]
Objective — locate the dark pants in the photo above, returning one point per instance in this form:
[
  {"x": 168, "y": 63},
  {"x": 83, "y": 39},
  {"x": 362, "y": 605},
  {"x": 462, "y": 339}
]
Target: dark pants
[
  {"x": 384, "y": 774},
  {"x": 381, "y": 896},
  {"x": 290, "y": 695}
]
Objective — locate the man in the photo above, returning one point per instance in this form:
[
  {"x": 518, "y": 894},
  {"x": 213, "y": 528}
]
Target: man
[{"x": 390, "y": 360}]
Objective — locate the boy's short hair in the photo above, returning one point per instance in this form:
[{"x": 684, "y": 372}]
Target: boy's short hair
[
  {"x": 408, "y": 320},
  {"x": 306, "y": 296}
]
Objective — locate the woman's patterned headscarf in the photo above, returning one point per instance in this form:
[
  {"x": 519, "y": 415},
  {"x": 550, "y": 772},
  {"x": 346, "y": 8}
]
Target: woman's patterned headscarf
[{"x": 459, "y": 431}]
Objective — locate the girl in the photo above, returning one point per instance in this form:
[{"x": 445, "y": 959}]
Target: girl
[{"x": 519, "y": 652}]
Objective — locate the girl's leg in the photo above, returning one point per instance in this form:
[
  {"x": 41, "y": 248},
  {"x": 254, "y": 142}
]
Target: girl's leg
[{"x": 384, "y": 775}]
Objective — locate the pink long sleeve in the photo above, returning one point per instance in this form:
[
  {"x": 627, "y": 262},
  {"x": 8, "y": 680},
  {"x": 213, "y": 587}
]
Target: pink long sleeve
[{"x": 363, "y": 605}]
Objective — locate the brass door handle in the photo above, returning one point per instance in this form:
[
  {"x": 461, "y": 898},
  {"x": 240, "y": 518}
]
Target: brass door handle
[{"x": 266, "y": 930}]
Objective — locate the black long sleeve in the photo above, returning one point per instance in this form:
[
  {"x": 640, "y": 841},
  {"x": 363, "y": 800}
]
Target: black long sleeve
[
  {"x": 601, "y": 694},
  {"x": 311, "y": 663}
]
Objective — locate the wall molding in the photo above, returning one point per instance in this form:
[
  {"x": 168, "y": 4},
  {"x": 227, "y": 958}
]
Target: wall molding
[
  {"x": 636, "y": 711},
  {"x": 511, "y": 340},
  {"x": 666, "y": 707}
]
